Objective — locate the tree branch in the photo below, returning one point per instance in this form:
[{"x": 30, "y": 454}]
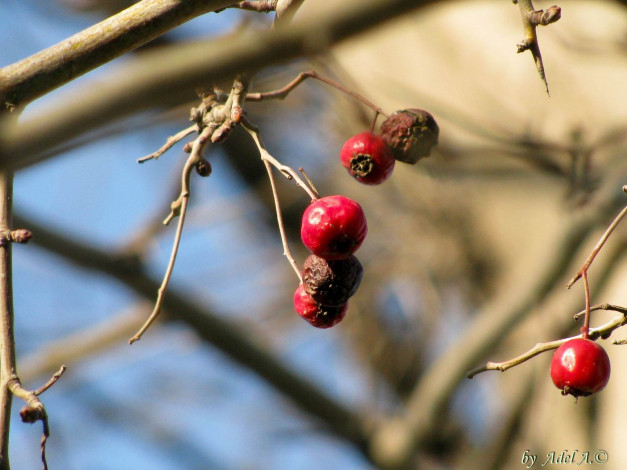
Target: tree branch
[
  {"x": 7, "y": 346},
  {"x": 30, "y": 78},
  {"x": 146, "y": 83}
]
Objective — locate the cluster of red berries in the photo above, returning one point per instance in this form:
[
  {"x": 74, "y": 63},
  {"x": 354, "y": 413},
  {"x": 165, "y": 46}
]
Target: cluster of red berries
[
  {"x": 580, "y": 367},
  {"x": 332, "y": 228},
  {"x": 406, "y": 136}
]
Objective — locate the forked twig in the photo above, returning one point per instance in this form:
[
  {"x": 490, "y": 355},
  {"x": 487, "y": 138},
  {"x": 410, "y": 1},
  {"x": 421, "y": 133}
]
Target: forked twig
[
  {"x": 583, "y": 271},
  {"x": 169, "y": 143},
  {"x": 283, "y": 92},
  {"x": 289, "y": 173},
  {"x": 285, "y": 170},
  {"x": 179, "y": 208},
  {"x": 34, "y": 409},
  {"x": 595, "y": 251},
  {"x": 604, "y": 331}
]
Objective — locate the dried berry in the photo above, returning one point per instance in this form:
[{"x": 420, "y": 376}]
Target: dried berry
[
  {"x": 333, "y": 227},
  {"x": 410, "y": 133},
  {"x": 203, "y": 167},
  {"x": 367, "y": 158},
  {"x": 331, "y": 282},
  {"x": 580, "y": 367},
  {"x": 318, "y": 315}
]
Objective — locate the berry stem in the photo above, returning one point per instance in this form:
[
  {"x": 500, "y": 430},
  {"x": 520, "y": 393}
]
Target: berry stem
[
  {"x": 374, "y": 120},
  {"x": 585, "y": 329},
  {"x": 279, "y": 218},
  {"x": 283, "y": 92},
  {"x": 309, "y": 182},
  {"x": 285, "y": 170}
]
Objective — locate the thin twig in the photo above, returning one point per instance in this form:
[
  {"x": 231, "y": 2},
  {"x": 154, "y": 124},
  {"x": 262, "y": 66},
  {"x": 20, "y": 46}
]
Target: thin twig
[
  {"x": 599, "y": 245},
  {"x": 179, "y": 208},
  {"x": 585, "y": 329},
  {"x": 285, "y": 170},
  {"x": 56, "y": 376},
  {"x": 283, "y": 92},
  {"x": 603, "y": 331},
  {"x": 606, "y": 306},
  {"x": 169, "y": 143},
  {"x": 279, "y": 217},
  {"x": 289, "y": 173}
]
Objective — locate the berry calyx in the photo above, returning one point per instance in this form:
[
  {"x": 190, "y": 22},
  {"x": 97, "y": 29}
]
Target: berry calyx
[
  {"x": 410, "y": 133},
  {"x": 331, "y": 282},
  {"x": 580, "y": 367},
  {"x": 367, "y": 158},
  {"x": 333, "y": 227},
  {"x": 318, "y": 315}
]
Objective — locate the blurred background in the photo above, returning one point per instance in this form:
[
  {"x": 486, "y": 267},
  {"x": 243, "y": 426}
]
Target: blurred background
[{"x": 466, "y": 260}]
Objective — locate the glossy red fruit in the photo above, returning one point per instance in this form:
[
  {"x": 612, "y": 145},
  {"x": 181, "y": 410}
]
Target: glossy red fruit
[
  {"x": 320, "y": 316},
  {"x": 580, "y": 367},
  {"x": 367, "y": 158},
  {"x": 333, "y": 227}
]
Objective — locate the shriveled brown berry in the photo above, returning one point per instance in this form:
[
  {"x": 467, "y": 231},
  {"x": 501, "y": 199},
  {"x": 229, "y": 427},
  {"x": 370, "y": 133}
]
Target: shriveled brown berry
[
  {"x": 331, "y": 282},
  {"x": 411, "y": 133},
  {"x": 203, "y": 168},
  {"x": 320, "y": 316}
]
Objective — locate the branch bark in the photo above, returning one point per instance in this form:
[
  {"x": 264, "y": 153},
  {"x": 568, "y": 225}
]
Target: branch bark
[
  {"x": 30, "y": 78},
  {"x": 7, "y": 347}
]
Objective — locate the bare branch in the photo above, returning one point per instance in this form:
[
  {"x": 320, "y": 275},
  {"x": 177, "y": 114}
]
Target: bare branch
[
  {"x": 137, "y": 87},
  {"x": 283, "y": 92},
  {"x": 604, "y": 331},
  {"x": 30, "y": 78}
]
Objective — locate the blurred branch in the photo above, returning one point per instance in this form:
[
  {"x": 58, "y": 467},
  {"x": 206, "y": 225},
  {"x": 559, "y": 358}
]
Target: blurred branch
[
  {"x": 395, "y": 442},
  {"x": 146, "y": 83},
  {"x": 30, "y": 78},
  {"x": 230, "y": 340},
  {"x": 83, "y": 344}
]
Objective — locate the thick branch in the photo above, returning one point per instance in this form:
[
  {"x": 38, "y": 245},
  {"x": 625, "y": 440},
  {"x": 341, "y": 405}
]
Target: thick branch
[
  {"x": 30, "y": 78},
  {"x": 146, "y": 83}
]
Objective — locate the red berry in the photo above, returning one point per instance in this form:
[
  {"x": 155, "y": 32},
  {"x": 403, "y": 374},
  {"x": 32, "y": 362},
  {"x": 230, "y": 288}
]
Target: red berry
[
  {"x": 320, "y": 316},
  {"x": 367, "y": 158},
  {"x": 580, "y": 367},
  {"x": 333, "y": 227}
]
